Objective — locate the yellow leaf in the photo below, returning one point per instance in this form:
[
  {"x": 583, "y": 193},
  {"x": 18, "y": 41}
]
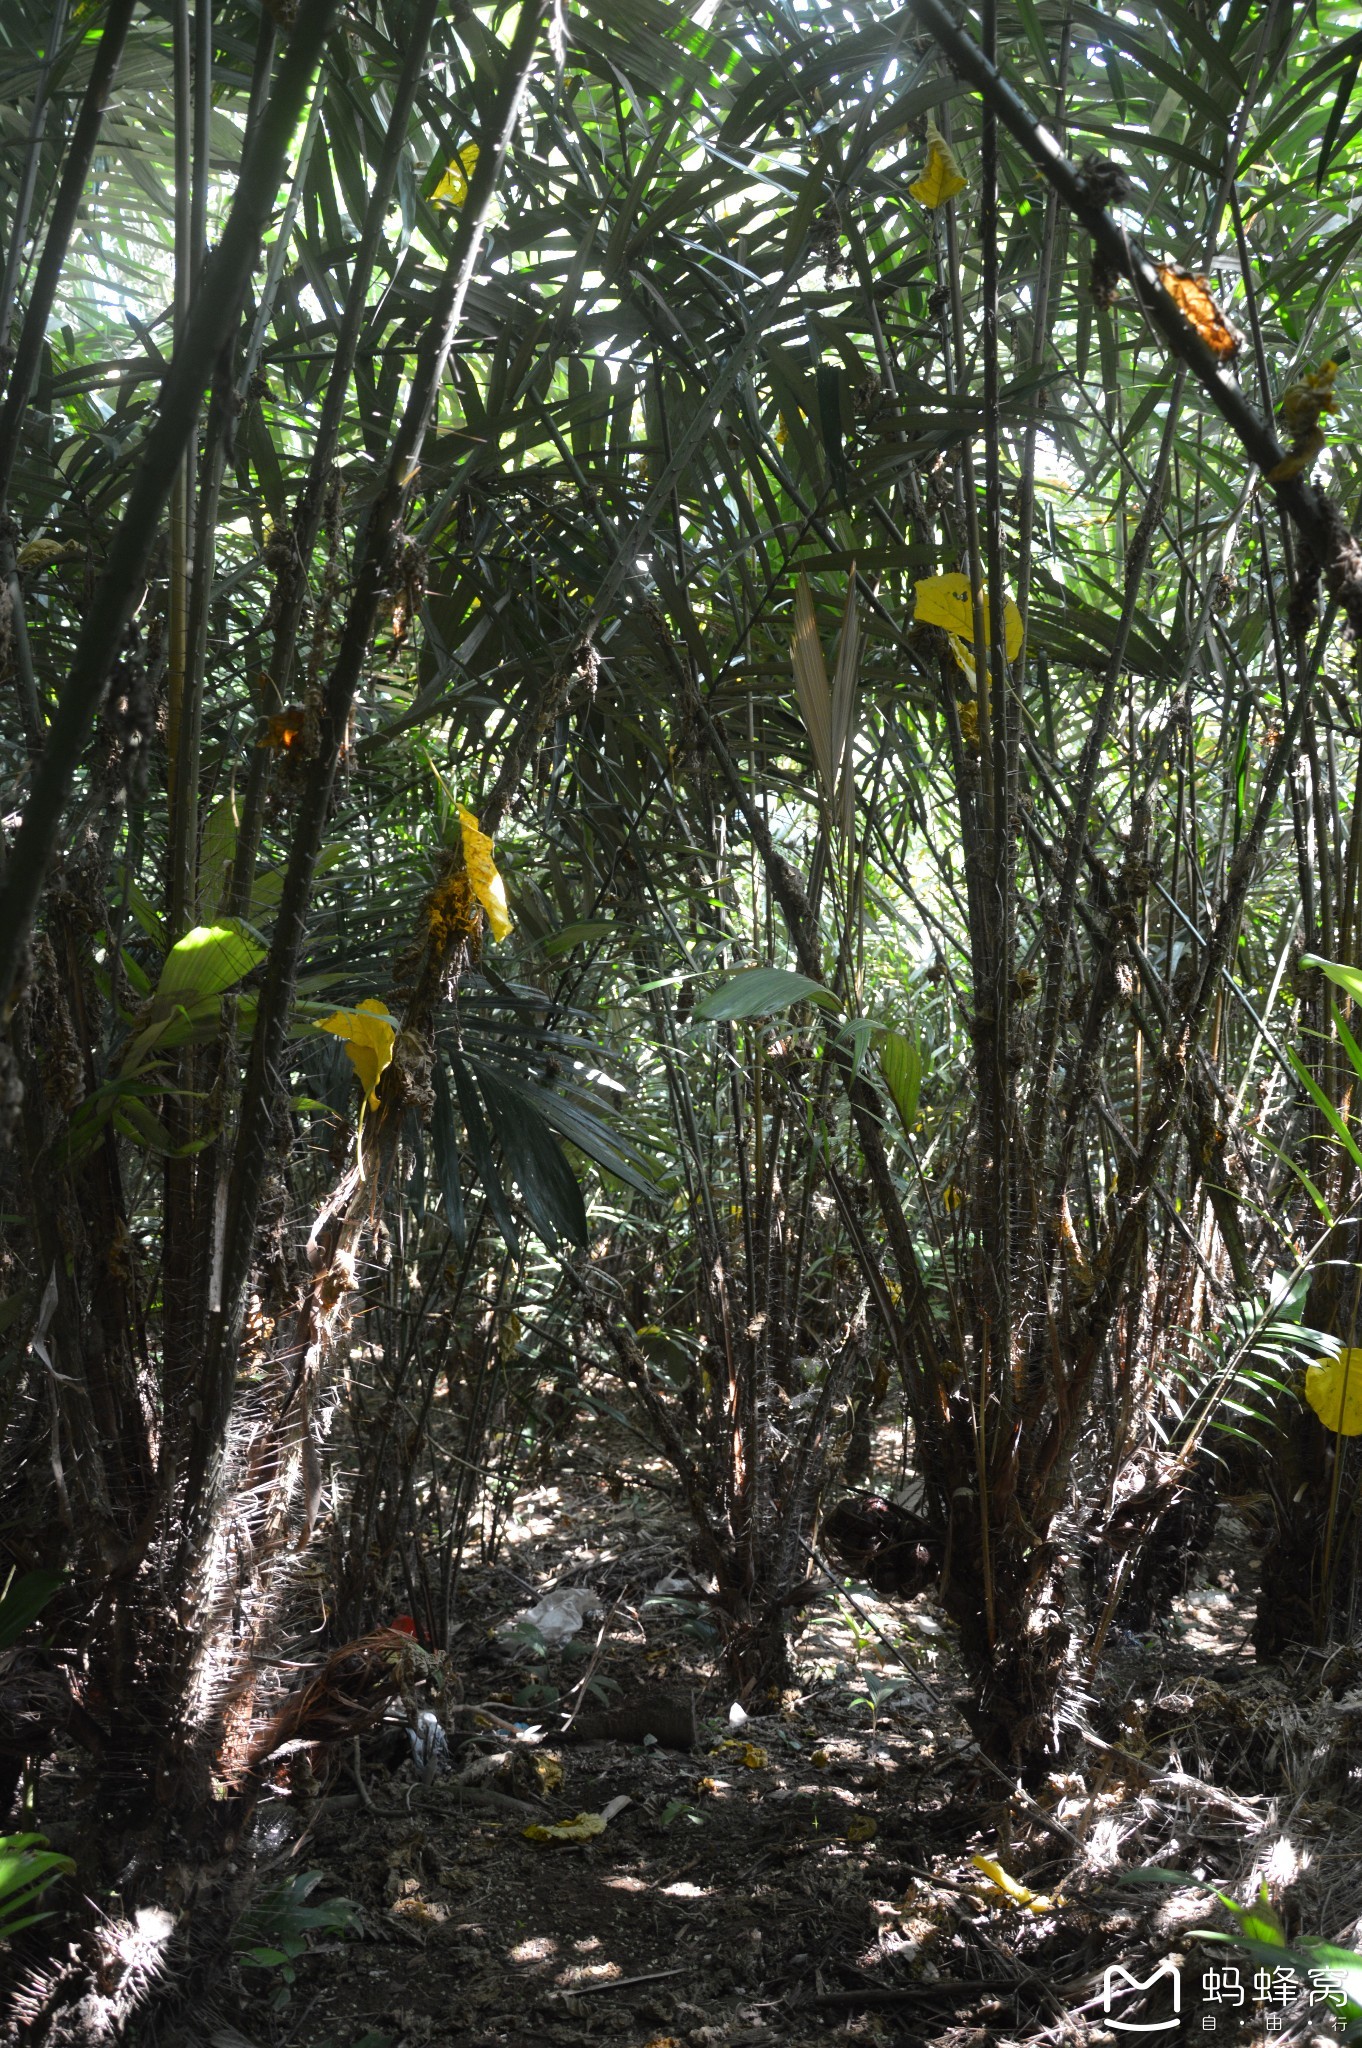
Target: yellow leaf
[
  {"x": 945, "y": 601},
  {"x": 452, "y": 189},
  {"x": 1016, "y": 1894},
  {"x": 941, "y": 177},
  {"x": 1302, "y": 403},
  {"x": 969, "y": 722},
  {"x": 820, "y": 1759},
  {"x": 368, "y": 1033},
  {"x": 749, "y": 1756},
  {"x": 1333, "y": 1387},
  {"x": 549, "y": 1772},
  {"x": 488, "y": 886},
  {"x": 1299, "y": 457},
  {"x": 860, "y": 1828},
  {"x": 581, "y": 1828},
  {"x": 952, "y": 1197}
]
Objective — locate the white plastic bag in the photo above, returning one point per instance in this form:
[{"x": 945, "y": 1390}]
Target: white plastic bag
[{"x": 559, "y": 1616}]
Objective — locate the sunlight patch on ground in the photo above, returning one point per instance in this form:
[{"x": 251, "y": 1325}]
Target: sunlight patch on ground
[
  {"x": 538, "y": 1949},
  {"x": 588, "y": 1973}
]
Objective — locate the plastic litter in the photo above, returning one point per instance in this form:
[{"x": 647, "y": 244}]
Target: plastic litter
[
  {"x": 429, "y": 1745},
  {"x": 674, "y": 1583},
  {"x": 559, "y": 1616}
]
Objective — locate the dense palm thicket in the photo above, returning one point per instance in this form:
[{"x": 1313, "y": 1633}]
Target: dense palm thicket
[{"x": 530, "y": 884}]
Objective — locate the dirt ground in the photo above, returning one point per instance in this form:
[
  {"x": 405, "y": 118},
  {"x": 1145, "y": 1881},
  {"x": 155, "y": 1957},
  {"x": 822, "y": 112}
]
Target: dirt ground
[{"x": 806, "y": 1872}]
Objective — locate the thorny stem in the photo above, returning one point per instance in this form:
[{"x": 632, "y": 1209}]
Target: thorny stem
[
  {"x": 211, "y": 324},
  {"x": 1334, "y": 548},
  {"x": 376, "y": 571}
]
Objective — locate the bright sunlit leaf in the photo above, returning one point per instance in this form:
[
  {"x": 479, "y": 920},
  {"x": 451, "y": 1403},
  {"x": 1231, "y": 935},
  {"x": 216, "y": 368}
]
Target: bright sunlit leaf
[
  {"x": 1016, "y": 1894},
  {"x": 946, "y": 601},
  {"x": 452, "y": 189},
  {"x": 368, "y": 1034},
  {"x": 941, "y": 176},
  {"x": 1333, "y": 1387},
  {"x": 488, "y": 886}
]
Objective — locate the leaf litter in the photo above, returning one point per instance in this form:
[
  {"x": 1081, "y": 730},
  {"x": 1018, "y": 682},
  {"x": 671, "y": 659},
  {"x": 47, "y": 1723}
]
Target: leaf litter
[{"x": 840, "y": 1861}]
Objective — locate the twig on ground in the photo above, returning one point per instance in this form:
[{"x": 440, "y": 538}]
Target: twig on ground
[
  {"x": 901, "y": 1994},
  {"x": 619, "y": 1983}
]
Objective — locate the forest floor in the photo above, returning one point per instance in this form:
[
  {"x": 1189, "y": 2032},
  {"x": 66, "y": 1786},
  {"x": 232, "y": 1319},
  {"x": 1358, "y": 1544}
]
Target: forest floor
[{"x": 804, "y": 1873}]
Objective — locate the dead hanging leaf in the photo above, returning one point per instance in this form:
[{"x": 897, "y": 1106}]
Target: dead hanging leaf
[
  {"x": 1300, "y": 409},
  {"x": 488, "y": 886},
  {"x": 1298, "y": 457},
  {"x": 1302, "y": 403},
  {"x": 1075, "y": 1258},
  {"x": 284, "y": 731},
  {"x": 946, "y": 601},
  {"x": 452, "y": 189},
  {"x": 969, "y": 722},
  {"x": 952, "y": 1198},
  {"x": 368, "y": 1034},
  {"x": 1197, "y": 304},
  {"x": 1015, "y": 1894},
  {"x": 941, "y": 176}
]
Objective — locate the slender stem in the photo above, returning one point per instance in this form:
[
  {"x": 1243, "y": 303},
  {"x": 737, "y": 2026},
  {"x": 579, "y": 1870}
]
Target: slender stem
[
  {"x": 28, "y": 179},
  {"x": 212, "y": 321},
  {"x": 70, "y": 193},
  {"x": 375, "y": 572},
  {"x": 311, "y": 504},
  {"x": 1315, "y": 515},
  {"x": 180, "y": 786}
]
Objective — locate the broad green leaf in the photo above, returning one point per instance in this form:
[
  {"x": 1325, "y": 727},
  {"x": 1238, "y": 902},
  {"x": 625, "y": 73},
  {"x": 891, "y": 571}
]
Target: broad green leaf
[
  {"x": 759, "y": 992},
  {"x": 1349, "y": 979},
  {"x": 208, "y": 961},
  {"x": 901, "y": 1065},
  {"x": 480, "y": 1145},
  {"x": 537, "y": 1163},
  {"x": 23, "y": 1600}
]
